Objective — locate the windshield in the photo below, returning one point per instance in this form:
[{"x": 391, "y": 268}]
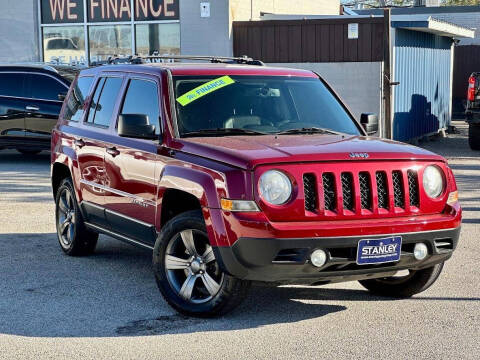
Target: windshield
[{"x": 258, "y": 105}]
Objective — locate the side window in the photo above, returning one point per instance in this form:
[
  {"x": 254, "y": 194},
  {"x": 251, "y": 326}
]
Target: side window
[
  {"x": 142, "y": 98},
  {"x": 12, "y": 84},
  {"x": 94, "y": 102},
  {"x": 44, "y": 87},
  {"x": 76, "y": 101},
  {"x": 104, "y": 101}
]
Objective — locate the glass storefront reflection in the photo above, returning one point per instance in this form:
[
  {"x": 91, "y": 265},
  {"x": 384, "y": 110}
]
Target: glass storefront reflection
[
  {"x": 64, "y": 44},
  {"x": 163, "y": 39},
  {"x": 109, "y": 40}
]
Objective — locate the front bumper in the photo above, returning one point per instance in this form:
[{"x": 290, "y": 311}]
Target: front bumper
[{"x": 287, "y": 260}]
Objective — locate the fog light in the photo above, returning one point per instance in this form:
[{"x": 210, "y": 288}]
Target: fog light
[
  {"x": 420, "y": 251},
  {"x": 318, "y": 258}
]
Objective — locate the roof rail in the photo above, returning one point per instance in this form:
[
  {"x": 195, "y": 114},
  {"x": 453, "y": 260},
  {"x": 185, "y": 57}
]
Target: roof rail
[{"x": 135, "y": 59}]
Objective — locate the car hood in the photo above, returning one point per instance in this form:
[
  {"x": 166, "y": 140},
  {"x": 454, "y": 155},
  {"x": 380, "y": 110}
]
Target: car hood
[{"x": 250, "y": 151}]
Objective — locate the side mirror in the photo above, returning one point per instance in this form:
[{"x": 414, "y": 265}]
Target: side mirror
[
  {"x": 62, "y": 96},
  {"x": 369, "y": 123},
  {"x": 136, "y": 126}
]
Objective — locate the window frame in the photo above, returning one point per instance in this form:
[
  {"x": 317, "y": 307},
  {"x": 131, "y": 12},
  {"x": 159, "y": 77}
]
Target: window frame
[
  {"x": 99, "y": 77},
  {"x": 126, "y": 85}
]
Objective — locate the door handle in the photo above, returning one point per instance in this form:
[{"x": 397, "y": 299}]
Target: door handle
[
  {"x": 113, "y": 151},
  {"x": 32, "y": 108},
  {"x": 79, "y": 143}
]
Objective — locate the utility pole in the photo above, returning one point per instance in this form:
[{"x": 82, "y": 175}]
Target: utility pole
[{"x": 387, "y": 94}]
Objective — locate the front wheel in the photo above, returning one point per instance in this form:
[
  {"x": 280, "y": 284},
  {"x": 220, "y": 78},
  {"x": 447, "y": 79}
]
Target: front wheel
[
  {"x": 404, "y": 286},
  {"x": 187, "y": 272},
  {"x": 474, "y": 136}
]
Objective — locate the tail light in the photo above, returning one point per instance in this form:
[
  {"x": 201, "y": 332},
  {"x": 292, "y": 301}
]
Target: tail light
[{"x": 471, "y": 88}]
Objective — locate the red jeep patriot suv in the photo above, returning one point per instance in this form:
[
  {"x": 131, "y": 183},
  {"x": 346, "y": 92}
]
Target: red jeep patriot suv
[{"x": 233, "y": 172}]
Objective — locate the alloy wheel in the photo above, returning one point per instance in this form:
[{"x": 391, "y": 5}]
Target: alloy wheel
[
  {"x": 191, "y": 268},
  {"x": 66, "y": 221}
]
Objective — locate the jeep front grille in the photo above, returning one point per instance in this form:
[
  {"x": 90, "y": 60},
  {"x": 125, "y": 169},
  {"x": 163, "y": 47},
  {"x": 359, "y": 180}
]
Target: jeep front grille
[{"x": 361, "y": 191}]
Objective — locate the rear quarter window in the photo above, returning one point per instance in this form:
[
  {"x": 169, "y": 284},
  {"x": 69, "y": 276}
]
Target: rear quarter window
[{"x": 75, "y": 104}]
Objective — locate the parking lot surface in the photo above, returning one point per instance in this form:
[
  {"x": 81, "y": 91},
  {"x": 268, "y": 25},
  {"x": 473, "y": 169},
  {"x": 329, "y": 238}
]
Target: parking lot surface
[{"x": 108, "y": 305}]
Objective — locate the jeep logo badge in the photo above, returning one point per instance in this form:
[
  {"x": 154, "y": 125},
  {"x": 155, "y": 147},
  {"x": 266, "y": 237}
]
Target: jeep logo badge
[{"x": 355, "y": 155}]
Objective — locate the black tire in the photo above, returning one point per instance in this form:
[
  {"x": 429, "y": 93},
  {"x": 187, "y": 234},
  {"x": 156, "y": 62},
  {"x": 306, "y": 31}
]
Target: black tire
[
  {"x": 474, "y": 136},
  {"x": 73, "y": 236},
  {"x": 29, "y": 152},
  {"x": 228, "y": 291},
  {"x": 406, "y": 286}
]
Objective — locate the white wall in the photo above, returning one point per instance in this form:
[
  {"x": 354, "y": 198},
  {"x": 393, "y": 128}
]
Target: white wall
[
  {"x": 213, "y": 35},
  {"x": 358, "y": 84},
  {"x": 19, "y": 31}
]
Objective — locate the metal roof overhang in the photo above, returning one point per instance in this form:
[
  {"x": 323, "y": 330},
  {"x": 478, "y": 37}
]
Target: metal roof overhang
[{"x": 432, "y": 25}]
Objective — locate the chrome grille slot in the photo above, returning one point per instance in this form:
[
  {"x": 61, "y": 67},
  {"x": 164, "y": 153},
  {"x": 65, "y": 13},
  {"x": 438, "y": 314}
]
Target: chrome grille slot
[
  {"x": 382, "y": 189},
  {"x": 347, "y": 191},
  {"x": 365, "y": 190},
  {"x": 310, "y": 190},
  {"x": 330, "y": 197},
  {"x": 413, "y": 188},
  {"x": 398, "y": 189}
]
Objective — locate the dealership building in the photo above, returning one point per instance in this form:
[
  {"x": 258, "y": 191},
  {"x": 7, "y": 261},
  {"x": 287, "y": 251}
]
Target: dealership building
[{"x": 81, "y": 30}]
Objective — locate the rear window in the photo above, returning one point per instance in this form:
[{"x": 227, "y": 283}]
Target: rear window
[
  {"x": 75, "y": 106},
  {"x": 12, "y": 84}
]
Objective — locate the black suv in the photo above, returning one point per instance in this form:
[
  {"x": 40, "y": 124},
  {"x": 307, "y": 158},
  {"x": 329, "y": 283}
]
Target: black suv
[
  {"x": 31, "y": 97},
  {"x": 473, "y": 111}
]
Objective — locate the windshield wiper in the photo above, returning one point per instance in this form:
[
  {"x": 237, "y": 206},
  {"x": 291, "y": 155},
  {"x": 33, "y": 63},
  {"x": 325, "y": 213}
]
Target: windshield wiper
[
  {"x": 309, "y": 130},
  {"x": 222, "y": 131}
]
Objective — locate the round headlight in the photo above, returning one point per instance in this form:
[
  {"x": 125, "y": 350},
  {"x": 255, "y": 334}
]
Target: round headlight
[
  {"x": 433, "y": 181},
  {"x": 275, "y": 187}
]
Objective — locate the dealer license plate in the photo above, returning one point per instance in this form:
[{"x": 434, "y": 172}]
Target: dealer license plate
[{"x": 377, "y": 251}]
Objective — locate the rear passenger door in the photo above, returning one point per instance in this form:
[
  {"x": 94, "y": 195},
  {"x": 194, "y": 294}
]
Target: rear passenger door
[
  {"x": 12, "y": 105},
  {"x": 133, "y": 165},
  {"x": 43, "y": 105},
  {"x": 90, "y": 148}
]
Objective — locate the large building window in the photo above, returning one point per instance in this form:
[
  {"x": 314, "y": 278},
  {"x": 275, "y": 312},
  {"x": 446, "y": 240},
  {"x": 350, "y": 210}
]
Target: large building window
[
  {"x": 65, "y": 44},
  {"x": 161, "y": 38},
  {"x": 109, "y": 40},
  {"x": 109, "y": 25}
]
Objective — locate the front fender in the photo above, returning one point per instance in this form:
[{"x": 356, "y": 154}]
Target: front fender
[{"x": 206, "y": 187}]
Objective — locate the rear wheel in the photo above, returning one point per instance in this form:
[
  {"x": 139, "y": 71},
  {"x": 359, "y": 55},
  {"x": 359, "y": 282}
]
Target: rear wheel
[
  {"x": 404, "y": 286},
  {"x": 187, "y": 272},
  {"x": 29, "y": 152},
  {"x": 74, "y": 238},
  {"x": 474, "y": 136}
]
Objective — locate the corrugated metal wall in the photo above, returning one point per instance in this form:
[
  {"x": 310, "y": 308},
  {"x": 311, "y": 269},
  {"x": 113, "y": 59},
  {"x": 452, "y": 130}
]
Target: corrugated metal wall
[{"x": 422, "y": 99}]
